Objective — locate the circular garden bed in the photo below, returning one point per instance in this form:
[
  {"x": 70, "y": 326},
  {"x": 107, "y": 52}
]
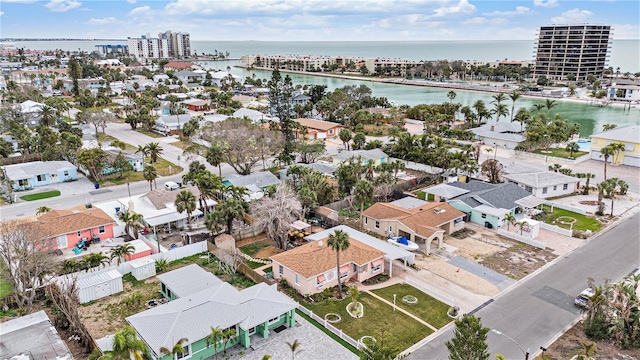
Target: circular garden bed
[
  {"x": 410, "y": 299},
  {"x": 566, "y": 220},
  {"x": 356, "y": 310},
  {"x": 332, "y": 318}
]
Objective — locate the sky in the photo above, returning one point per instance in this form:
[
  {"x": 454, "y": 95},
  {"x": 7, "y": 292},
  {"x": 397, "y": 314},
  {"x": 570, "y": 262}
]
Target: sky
[{"x": 311, "y": 20}]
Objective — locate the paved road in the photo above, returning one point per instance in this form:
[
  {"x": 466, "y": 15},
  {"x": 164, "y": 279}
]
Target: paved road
[{"x": 540, "y": 308}]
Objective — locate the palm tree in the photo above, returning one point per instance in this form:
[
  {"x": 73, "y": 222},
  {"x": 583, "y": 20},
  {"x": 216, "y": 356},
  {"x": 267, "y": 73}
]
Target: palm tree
[
  {"x": 514, "y": 97},
  {"x": 150, "y": 174},
  {"x": 208, "y": 185},
  {"x": 522, "y": 116},
  {"x": 121, "y": 251},
  {"x": 42, "y": 210},
  {"x": 538, "y": 107},
  {"x": 521, "y": 225},
  {"x": 214, "y": 157},
  {"x": 607, "y": 152},
  {"x": 154, "y": 150},
  {"x": 177, "y": 348},
  {"x": 500, "y": 110},
  {"x": 497, "y": 100},
  {"x": 588, "y": 351},
  {"x": 607, "y": 127},
  {"x": 186, "y": 201},
  {"x": 227, "y": 336},
  {"x": 295, "y": 348},
  {"x": 213, "y": 339},
  {"x": 572, "y": 147},
  {"x": 338, "y": 241},
  {"x": 549, "y": 104},
  {"x": 587, "y": 176},
  {"x": 95, "y": 260},
  {"x": 143, "y": 150},
  {"x": 354, "y": 293},
  {"x": 509, "y": 219},
  {"x": 126, "y": 345},
  {"x": 451, "y": 95},
  {"x": 229, "y": 210},
  {"x": 131, "y": 222},
  {"x": 363, "y": 193},
  {"x": 47, "y": 115}
]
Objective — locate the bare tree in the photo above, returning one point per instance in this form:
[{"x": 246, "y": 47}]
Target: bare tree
[
  {"x": 492, "y": 169},
  {"x": 64, "y": 296},
  {"x": 277, "y": 213},
  {"x": 229, "y": 261},
  {"x": 242, "y": 143},
  {"x": 27, "y": 266},
  {"x": 99, "y": 119}
]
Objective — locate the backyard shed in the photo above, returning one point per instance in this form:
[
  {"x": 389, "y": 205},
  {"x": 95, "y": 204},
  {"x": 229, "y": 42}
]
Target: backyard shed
[
  {"x": 143, "y": 268},
  {"x": 141, "y": 250},
  {"x": 98, "y": 285}
]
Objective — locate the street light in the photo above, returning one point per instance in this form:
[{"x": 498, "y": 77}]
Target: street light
[{"x": 525, "y": 353}]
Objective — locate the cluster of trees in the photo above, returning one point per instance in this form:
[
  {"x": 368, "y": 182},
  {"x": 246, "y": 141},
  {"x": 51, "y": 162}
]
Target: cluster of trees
[{"x": 364, "y": 182}]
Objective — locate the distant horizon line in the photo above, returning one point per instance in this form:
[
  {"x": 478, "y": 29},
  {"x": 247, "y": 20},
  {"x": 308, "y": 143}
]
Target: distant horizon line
[{"x": 18, "y": 39}]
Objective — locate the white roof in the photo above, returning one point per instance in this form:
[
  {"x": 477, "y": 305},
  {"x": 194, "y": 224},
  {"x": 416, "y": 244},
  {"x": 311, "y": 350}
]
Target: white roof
[
  {"x": 445, "y": 191},
  {"x": 530, "y": 201},
  {"x": 373, "y": 154},
  {"x": 630, "y": 134},
  {"x": 168, "y": 217},
  {"x": 31, "y": 169},
  {"x": 300, "y": 225},
  {"x": 541, "y": 179},
  {"x": 491, "y": 210},
  {"x": 139, "y": 246},
  {"x": 188, "y": 280},
  {"x": 85, "y": 281},
  {"x": 30, "y": 106},
  {"x": 391, "y": 252},
  {"x": 138, "y": 263}
]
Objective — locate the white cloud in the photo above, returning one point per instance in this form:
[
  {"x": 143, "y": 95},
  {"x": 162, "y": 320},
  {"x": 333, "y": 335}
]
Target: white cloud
[
  {"x": 484, "y": 21},
  {"x": 572, "y": 16},
  {"x": 19, "y": 1},
  {"x": 1, "y": 13},
  {"x": 62, "y": 5},
  {"x": 131, "y": 2},
  {"x": 520, "y": 10},
  {"x": 103, "y": 21},
  {"x": 545, "y": 3},
  {"x": 140, "y": 10},
  {"x": 626, "y": 31},
  {"x": 462, "y": 7}
]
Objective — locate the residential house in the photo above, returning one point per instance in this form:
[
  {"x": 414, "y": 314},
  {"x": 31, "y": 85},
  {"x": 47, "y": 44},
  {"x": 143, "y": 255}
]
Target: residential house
[
  {"x": 419, "y": 221},
  {"x": 256, "y": 183},
  {"x": 26, "y": 176},
  {"x": 541, "y": 183},
  {"x": 196, "y": 104},
  {"x": 204, "y": 304},
  {"x": 171, "y": 124},
  {"x": 627, "y": 135},
  {"x": 311, "y": 268},
  {"x": 318, "y": 129},
  {"x": 177, "y": 65},
  {"x": 64, "y": 228},
  {"x": 188, "y": 76},
  {"x": 298, "y": 98},
  {"x": 487, "y": 204},
  {"x": 376, "y": 156},
  {"x": 32, "y": 336},
  {"x": 30, "y": 111},
  {"x": 254, "y": 115},
  {"x": 160, "y": 78},
  {"x": 323, "y": 167},
  {"x": 134, "y": 158},
  {"x": 627, "y": 90},
  {"x": 502, "y": 134},
  {"x": 220, "y": 78},
  {"x": 194, "y": 88}
]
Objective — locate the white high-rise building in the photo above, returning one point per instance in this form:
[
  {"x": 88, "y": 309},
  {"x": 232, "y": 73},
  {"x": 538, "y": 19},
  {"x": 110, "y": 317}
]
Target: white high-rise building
[
  {"x": 179, "y": 43},
  {"x": 145, "y": 47}
]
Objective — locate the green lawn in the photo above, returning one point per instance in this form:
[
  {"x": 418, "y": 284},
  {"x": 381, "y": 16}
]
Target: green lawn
[
  {"x": 427, "y": 308},
  {"x": 162, "y": 167},
  {"x": 42, "y": 195},
  {"x": 5, "y": 288},
  {"x": 109, "y": 138},
  {"x": 560, "y": 152},
  {"x": 400, "y": 329},
  {"x": 254, "y": 248},
  {"x": 583, "y": 222},
  {"x": 149, "y": 133}
]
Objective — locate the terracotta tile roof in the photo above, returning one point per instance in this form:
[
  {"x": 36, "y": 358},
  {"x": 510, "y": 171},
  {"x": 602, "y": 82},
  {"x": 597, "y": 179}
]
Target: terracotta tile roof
[
  {"x": 60, "y": 222},
  {"x": 178, "y": 65},
  {"x": 317, "y": 124},
  {"x": 312, "y": 259},
  {"x": 427, "y": 217}
]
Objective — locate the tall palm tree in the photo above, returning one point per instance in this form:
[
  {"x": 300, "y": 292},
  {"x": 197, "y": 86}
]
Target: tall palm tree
[
  {"x": 150, "y": 174},
  {"x": 572, "y": 147},
  {"x": 363, "y": 193},
  {"x": 215, "y": 157},
  {"x": 143, "y": 150},
  {"x": 607, "y": 127},
  {"x": 231, "y": 209},
  {"x": 186, "y": 201},
  {"x": 213, "y": 339},
  {"x": 131, "y": 222},
  {"x": 208, "y": 185},
  {"x": 451, "y": 95},
  {"x": 514, "y": 97},
  {"x": 121, "y": 251},
  {"x": 587, "y": 176},
  {"x": 154, "y": 150},
  {"x": 538, "y": 107},
  {"x": 606, "y": 152},
  {"x": 176, "y": 349},
  {"x": 509, "y": 219},
  {"x": 550, "y": 104},
  {"x": 500, "y": 110},
  {"x": 47, "y": 115},
  {"x": 126, "y": 345},
  {"x": 295, "y": 348},
  {"x": 42, "y": 210},
  {"x": 338, "y": 241},
  {"x": 497, "y": 100},
  {"x": 95, "y": 260}
]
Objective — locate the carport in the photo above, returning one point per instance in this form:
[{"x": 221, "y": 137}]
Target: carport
[{"x": 391, "y": 252}]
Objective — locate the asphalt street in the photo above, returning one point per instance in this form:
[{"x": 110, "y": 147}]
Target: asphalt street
[{"x": 540, "y": 308}]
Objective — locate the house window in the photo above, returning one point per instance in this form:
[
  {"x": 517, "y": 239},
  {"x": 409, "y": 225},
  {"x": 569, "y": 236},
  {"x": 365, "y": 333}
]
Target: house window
[
  {"x": 528, "y": 188},
  {"x": 390, "y": 229},
  {"x": 484, "y": 216},
  {"x": 23, "y": 182},
  {"x": 565, "y": 186},
  {"x": 41, "y": 177},
  {"x": 280, "y": 270},
  {"x": 544, "y": 190},
  {"x": 274, "y": 320},
  {"x": 185, "y": 354},
  {"x": 366, "y": 220},
  {"x": 252, "y": 331},
  {"x": 377, "y": 224},
  {"x": 555, "y": 187},
  {"x": 66, "y": 173},
  {"x": 101, "y": 229},
  {"x": 297, "y": 279},
  {"x": 376, "y": 265},
  {"x": 79, "y": 233},
  {"x": 330, "y": 131},
  {"x": 163, "y": 287}
]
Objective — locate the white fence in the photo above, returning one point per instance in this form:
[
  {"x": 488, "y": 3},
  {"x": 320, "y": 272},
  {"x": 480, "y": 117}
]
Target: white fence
[
  {"x": 348, "y": 339},
  {"x": 553, "y": 159},
  {"x": 557, "y": 229},
  {"x": 565, "y": 207},
  {"x": 522, "y": 239},
  {"x": 431, "y": 292}
]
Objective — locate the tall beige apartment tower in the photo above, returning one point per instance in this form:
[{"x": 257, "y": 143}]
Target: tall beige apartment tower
[{"x": 579, "y": 50}]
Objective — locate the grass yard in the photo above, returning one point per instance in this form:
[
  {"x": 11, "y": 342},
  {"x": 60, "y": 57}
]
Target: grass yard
[
  {"x": 42, "y": 195},
  {"x": 186, "y": 143},
  {"x": 149, "y": 133},
  {"x": 109, "y": 138},
  {"x": 400, "y": 329},
  {"x": 162, "y": 167},
  {"x": 583, "y": 222},
  {"x": 427, "y": 308},
  {"x": 253, "y": 249},
  {"x": 560, "y": 153}
]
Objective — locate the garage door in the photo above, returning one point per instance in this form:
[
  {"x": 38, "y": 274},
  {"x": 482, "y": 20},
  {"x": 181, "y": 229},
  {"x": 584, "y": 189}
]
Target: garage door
[
  {"x": 631, "y": 161},
  {"x": 597, "y": 155}
]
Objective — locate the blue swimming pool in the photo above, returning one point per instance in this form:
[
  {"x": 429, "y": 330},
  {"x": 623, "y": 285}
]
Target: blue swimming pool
[{"x": 584, "y": 144}]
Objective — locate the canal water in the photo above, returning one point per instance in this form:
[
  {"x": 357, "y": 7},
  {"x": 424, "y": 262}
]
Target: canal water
[{"x": 590, "y": 118}]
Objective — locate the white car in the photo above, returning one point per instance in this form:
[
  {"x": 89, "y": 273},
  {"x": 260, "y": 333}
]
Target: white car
[{"x": 582, "y": 300}]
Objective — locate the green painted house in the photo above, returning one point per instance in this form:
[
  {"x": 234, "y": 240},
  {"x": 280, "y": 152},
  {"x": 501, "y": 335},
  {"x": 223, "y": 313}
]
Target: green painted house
[{"x": 198, "y": 302}]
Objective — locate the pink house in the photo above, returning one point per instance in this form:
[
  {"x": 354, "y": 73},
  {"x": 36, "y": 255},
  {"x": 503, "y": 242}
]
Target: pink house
[
  {"x": 64, "y": 228},
  {"x": 311, "y": 268}
]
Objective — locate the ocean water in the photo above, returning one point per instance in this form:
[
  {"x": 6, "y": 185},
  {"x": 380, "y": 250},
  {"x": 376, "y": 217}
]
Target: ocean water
[{"x": 624, "y": 53}]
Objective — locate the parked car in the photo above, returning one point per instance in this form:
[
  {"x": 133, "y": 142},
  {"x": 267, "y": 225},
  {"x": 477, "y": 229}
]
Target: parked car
[{"x": 583, "y": 298}]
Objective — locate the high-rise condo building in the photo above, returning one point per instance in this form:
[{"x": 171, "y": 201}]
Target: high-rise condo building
[
  {"x": 166, "y": 45},
  {"x": 179, "y": 43},
  {"x": 578, "y": 50}
]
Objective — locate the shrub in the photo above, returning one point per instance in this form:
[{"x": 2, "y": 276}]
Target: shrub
[{"x": 596, "y": 328}]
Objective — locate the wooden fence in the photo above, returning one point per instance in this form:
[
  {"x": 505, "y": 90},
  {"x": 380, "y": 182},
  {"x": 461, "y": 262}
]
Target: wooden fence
[{"x": 21, "y": 159}]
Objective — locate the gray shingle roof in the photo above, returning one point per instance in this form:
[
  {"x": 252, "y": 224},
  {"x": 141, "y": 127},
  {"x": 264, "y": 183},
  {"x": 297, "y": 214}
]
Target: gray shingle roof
[
  {"x": 500, "y": 196},
  {"x": 630, "y": 134},
  {"x": 28, "y": 170},
  {"x": 219, "y": 306},
  {"x": 541, "y": 179},
  {"x": 259, "y": 179},
  {"x": 188, "y": 280}
]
